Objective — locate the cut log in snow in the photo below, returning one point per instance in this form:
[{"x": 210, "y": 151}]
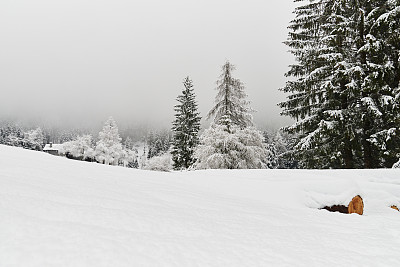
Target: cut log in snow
[
  {"x": 395, "y": 208},
  {"x": 356, "y": 205}
]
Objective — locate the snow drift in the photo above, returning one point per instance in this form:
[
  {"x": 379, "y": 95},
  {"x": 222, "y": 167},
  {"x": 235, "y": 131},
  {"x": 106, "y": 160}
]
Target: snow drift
[{"x": 60, "y": 212}]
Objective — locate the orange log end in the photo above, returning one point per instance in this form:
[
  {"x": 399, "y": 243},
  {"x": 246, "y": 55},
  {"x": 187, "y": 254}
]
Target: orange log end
[{"x": 356, "y": 205}]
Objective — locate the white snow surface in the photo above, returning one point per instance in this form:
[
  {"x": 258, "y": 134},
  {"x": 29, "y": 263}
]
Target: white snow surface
[{"x": 60, "y": 212}]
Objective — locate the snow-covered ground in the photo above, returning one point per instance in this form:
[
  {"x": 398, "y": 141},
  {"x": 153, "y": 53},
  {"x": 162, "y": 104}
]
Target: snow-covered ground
[{"x": 60, "y": 212}]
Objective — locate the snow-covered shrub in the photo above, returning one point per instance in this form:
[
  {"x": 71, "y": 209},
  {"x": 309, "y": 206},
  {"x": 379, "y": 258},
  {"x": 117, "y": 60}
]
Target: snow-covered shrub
[
  {"x": 234, "y": 149},
  {"x": 34, "y": 139},
  {"x": 128, "y": 158},
  {"x": 160, "y": 163},
  {"x": 80, "y": 148}
]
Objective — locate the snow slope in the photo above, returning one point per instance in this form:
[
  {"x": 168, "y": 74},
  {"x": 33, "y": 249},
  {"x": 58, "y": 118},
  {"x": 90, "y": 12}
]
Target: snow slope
[{"x": 60, "y": 212}]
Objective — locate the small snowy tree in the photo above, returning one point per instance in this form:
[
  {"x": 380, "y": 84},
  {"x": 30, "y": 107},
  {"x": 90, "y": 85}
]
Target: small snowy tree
[
  {"x": 236, "y": 149},
  {"x": 231, "y": 106},
  {"x": 128, "y": 143},
  {"x": 81, "y": 148},
  {"x": 231, "y": 142},
  {"x": 128, "y": 158},
  {"x": 158, "y": 143},
  {"x": 109, "y": 148},
  {"x": 34, "y": 139},
  {"x": 185, "y": 128},
  {"x": 130, "y": 154}
]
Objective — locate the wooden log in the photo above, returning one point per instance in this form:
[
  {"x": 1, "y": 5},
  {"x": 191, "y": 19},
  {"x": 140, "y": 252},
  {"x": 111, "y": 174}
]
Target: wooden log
[
  {"x": 356, "y": 205},
  {"x": 395, "y": 208}
]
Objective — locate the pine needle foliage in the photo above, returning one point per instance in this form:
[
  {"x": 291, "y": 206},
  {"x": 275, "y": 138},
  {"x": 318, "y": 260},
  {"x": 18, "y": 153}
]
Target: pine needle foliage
[
  {"x": 185, "y": 128},
  {"x": 344, "y": 92}
]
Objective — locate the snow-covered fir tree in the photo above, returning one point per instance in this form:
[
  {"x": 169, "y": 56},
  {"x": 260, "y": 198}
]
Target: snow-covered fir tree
[
  {"x": 281, "y": 145},
  {"x": 231, "y": 106},
  {"x": 231, "y": 142},
  {"x": 238, "y": 148},
  {"x": 345, "y": 91},
  {"x": 158, "y": 143},
  {"x": 128, "y": 143},
  {"x": 270, "y": 144},
  {"x": 185, "y": 128},
  {"x": 109, "y": 148},
  {"x": 143, "y": 158},
  {"x": 130, "y": 155},
  {"x": 380, "y": 100}
]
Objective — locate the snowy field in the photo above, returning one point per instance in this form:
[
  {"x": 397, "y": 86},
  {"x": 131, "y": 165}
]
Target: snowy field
[{"x": 60, "y": 212}]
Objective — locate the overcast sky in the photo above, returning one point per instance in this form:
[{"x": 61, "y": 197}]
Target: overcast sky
[{"x": 83, "y": 60}]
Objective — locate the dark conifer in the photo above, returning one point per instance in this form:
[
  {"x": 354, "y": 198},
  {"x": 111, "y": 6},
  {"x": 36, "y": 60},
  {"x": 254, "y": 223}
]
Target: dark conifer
[
  {"x": 185, "y": 128},
  {"x": 345, "y": 94}
]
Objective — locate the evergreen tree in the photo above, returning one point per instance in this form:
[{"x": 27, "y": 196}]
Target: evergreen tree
[
  {"x": 319, "y": 96},
  {"x": 236, "y": 149},
  {"x": 109, "y": 148},
  {"x": 143, "y": 158},
  {"x": 128, "y": 143},
  {"x": 342, "y": 86},
  {"x": 158, "y": 143},
  {"x": 380, "y": 100},
  {"x": 232, "y": 142},
  {"x": 130, "y": 155},
  {"x": 185, "y": 128},
  {"x": 231, "y": 106}
]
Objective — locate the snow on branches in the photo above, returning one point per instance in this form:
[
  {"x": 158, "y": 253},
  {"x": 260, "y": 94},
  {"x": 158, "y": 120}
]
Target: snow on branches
[{"x": 236, "y": 149}]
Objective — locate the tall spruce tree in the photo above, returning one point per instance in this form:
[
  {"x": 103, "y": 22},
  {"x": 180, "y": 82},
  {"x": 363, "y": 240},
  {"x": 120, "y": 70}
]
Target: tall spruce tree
[
  {"x": 342, "y": 86},
  {"x": 232, "y": 142},
  {"x": 231, "y": 106},
  {"x": 315, "y": 94},
  {"x": 185, "y": 128},
  {"x": 380, "y": 51}
]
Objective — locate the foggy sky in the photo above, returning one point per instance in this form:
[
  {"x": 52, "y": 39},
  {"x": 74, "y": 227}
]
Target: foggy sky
[{"x": 84, "y": 60}]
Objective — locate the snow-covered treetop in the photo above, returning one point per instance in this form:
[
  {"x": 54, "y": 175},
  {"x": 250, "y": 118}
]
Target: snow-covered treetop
[
  {"x": 231, "y": 106},
  {"x": 109, "y": 135}
]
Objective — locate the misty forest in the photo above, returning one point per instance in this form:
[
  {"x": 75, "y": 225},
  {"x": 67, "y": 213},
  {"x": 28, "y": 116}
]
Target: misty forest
[{"x": 319, "y": 187}]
